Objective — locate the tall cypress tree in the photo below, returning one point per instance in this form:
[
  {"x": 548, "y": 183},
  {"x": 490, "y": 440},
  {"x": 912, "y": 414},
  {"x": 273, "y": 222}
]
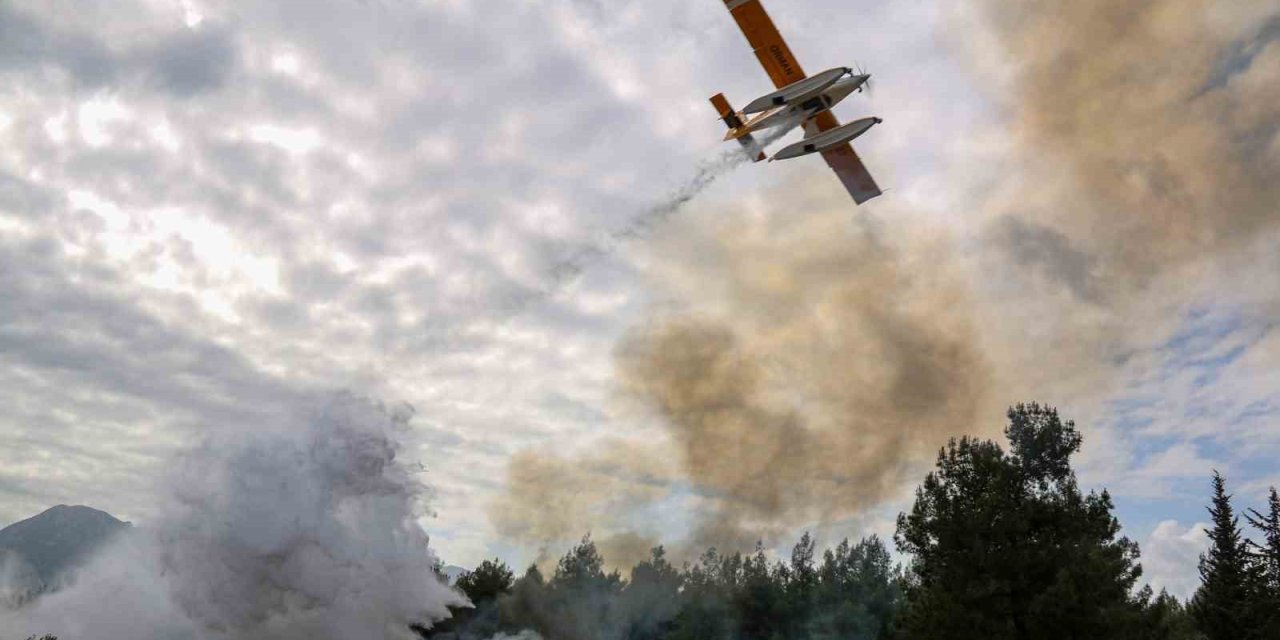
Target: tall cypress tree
[
  {"x": 1268, "y": 559},
  {"x": 1224, "y": 606}
]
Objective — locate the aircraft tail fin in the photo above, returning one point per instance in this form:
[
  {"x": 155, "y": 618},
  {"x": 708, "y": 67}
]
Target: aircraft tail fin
[{"x": 734, "y": 121}]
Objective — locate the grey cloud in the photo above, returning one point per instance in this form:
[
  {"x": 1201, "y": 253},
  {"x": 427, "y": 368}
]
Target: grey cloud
[
  {"x": 1049, "y": 252},
  {"x": 181, "y": 62},
  {"x": 70, "y": 324},
  {"x": 25, "y": 43},
  {"x": 313, "y": 280},
  {"x": 17, "y": 194},
  {"x": 279, "y": 314},
  {"x": 1239, "y": 57},
  {"x": 191, "y": 62},
  {"x": 84, "y": 358}
]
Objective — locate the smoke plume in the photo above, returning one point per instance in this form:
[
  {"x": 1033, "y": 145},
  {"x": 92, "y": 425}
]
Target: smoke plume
[
  {"x": 307, "y": 531},
  {"x": 832, "y": 366},
  {"x": 822, "y": 361},
  {"x": 1161, "y": 119},
  {"x": 643, "y": 222},
  {"x": 804, "y": 366},
  {"x": 553, "y": 498}
]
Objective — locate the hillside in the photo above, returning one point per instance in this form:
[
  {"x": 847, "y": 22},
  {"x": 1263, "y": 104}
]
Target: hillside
[{"x": 37, "y": 553}]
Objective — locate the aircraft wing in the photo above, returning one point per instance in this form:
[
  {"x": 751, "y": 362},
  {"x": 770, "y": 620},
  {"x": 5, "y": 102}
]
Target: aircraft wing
[
  {"x": 768, "y": 45},
  {"x": 783, "y": 68}
]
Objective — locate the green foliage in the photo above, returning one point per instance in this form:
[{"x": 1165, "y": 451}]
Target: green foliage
[
  {"x": 437, "y": 568},
  {"x": 1222, "y": 605},
  {"x": 706, "y": 611},
  {"x": 651, "y": 599},
  {"x": 1002, "y": 545},
  {"x": 858, "y": 594},
  {"x": 1164, "y": 618},
  {"x": 852, "y": 595},
  {"x": 1007, "y": 546},
  {"x": 483, "y": 586},
  {"x": 1267, "y": 558},
  {"x": 488, "y": 581},
  {"x": 527, "y": 606},
  {"x": 1229, "y": 603},
  {"x": 582, "y": 570},
  {"x": 760, "y": 599},
  {"x": 582, "y": 596}
]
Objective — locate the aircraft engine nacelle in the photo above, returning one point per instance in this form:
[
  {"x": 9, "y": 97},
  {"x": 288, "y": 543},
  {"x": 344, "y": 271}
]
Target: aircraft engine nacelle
[{"x": 827, "y": 139}]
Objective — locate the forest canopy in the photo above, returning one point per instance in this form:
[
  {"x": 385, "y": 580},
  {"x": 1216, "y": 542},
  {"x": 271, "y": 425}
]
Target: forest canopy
[{"x": 1000, "y": 542}]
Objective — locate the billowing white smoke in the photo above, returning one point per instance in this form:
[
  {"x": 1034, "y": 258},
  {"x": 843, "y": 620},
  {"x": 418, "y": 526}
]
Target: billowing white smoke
[
  {"x": 301, "y": 532},
  {"x": 18, "y": 581}
]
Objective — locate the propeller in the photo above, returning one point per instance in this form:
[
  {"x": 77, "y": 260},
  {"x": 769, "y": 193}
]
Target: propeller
[{"x": 865, "y": 85}]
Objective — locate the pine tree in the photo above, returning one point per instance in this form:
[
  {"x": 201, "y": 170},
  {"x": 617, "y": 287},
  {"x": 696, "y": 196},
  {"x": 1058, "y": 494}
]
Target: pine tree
[
  {"x": 488, "y": 581},
  {"x": 801, "y": 587},
  {"x": 1224, "y": 606},
  {"x": 760, "y": 599},
  {"x": 705, "y": 611},
  {"x": 1163, "y": 618},
  {"x": 528, "y": 605},
  {"x": 483, "y": 587},
  {"x": 1267, "y": 555},
  {"x": 858, "y": 592},
  {"x": 651, "y": 600},
  {"x": 1006, "y": 546},
  {"x": 583, "y": 594}
]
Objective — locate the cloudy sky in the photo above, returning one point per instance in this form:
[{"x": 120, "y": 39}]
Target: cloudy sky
[{"x": 215, "y": 214}]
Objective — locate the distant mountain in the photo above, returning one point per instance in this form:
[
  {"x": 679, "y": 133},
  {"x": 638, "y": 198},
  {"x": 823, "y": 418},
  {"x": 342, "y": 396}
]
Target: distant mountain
[
  {"x": 452, "y": 571},
  {"x": 37, "y": 554}
]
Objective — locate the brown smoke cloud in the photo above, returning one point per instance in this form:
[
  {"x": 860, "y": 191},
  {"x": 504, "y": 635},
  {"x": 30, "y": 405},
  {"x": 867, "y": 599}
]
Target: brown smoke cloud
[
  {"x": 1159, "y": 118},
  {"x": 836, "y": 362},
  {"x": 805, "y": 366},
  {"x": 554, "y": 498},
  {"x": 823, "y": 362}
]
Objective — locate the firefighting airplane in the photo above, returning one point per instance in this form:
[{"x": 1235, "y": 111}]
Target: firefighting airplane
[{"x": 800, "y": 101}]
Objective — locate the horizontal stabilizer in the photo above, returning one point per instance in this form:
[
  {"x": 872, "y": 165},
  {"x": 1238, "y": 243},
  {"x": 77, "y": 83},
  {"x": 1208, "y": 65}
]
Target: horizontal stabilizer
[{"x": 734, "y": 122}]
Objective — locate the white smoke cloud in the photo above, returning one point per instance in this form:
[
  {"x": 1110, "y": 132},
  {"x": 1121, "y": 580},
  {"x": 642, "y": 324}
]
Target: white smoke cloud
[
  {"x": 307, "y": 531},
  {"x": 18, "y": 581}
]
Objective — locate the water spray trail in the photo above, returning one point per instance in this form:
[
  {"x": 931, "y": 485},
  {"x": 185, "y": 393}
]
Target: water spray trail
[
  {"x": 640, "y": 224},
  {"x": 605, "y": 244}
]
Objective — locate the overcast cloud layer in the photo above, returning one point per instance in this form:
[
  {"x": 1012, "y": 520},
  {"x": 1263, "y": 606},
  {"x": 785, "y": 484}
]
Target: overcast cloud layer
[{"x": 213, "y": 214}]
